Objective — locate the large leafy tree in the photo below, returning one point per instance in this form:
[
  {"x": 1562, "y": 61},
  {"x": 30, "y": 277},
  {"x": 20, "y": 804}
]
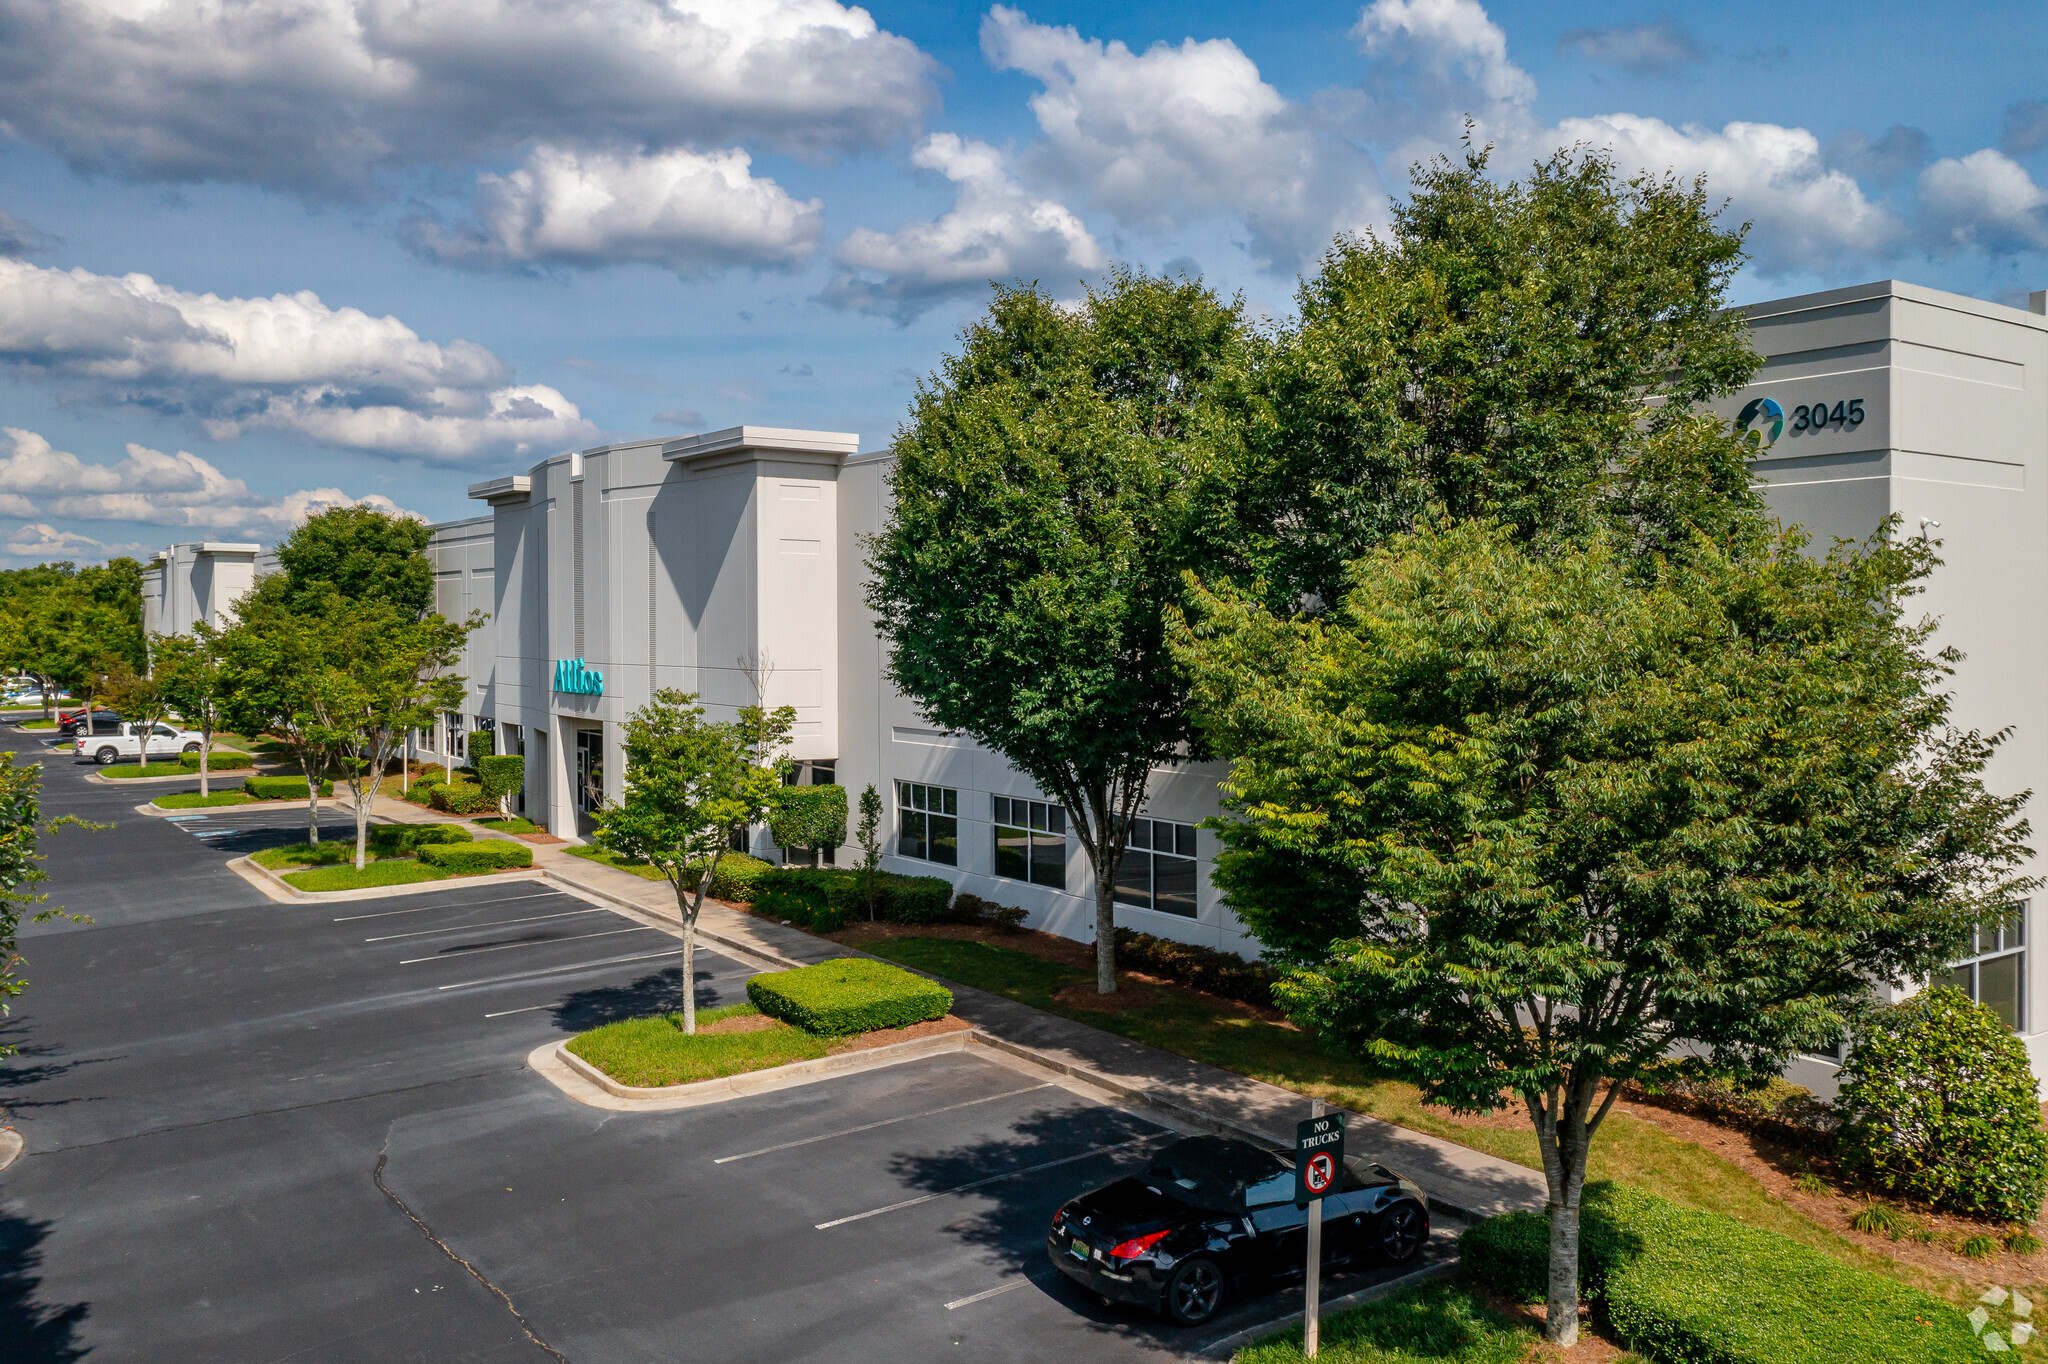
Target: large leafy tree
[
  {"x": 359, "y": 554},
  {"x": 1047, "y": 496},
  {"x": 1532, "y": 350},
  {"x": 379, "y": 675},
  {"x": 1528, "y": 828},
  {"x": 691, "y": 784}
]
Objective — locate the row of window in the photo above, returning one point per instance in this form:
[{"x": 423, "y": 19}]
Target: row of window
[
  {"x": 1994, "y": 975},
  {"x": 1030, "y": 845}
]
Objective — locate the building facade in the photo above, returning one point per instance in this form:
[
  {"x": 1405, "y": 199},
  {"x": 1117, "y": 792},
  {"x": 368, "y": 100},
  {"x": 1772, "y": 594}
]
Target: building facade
[
  {"x": 731, "y": 565},
  {"x": 194, "y": 584}
]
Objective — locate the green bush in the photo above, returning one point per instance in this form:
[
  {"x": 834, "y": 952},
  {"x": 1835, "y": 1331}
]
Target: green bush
[
  {"x": 499, "y": 777},
  {"x": 737, "y": 873},
  {"x": 819, "y": 898},
  {"x": 404, "y": 838},
  {"x": 460, "y": 799},
  {"x": 1703, "y": 1288},
  {"x": 282, "y": 788},
  {"x": 913, "y": 899},
  {"x": 1938, "y": 1103},
  {"x": 972, "y": 909},
  {"x": 220, "y": 760},
  {"x": 482, "y": 744},
  {"x": 1198, "y": 968},
  {"x": 808, "y": 817},
  {"x": 491, "y": 855},
  {"x": 849, "y": 995}
]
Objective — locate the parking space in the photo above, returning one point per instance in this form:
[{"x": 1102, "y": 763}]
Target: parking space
[{"x": 267, "y": 1131}]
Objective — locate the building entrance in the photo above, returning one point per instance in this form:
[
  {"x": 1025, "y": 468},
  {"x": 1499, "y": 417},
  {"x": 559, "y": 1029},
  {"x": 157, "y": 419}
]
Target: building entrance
[{"x": 589, "y": 776}]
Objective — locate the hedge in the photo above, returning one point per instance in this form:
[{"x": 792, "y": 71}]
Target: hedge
[
  {"x": 217, "y": 761},
  {"x": 1702, "y": 1288},
  {"x": 490, "y": 855},
  {"x": 848, "y": 995},
  {"x": 1199, "y": 968},
  {"x": 825, "y": 898},
  {"x": 460, "y": 799},
  {"x": 282, "y": 788},
  {"x": 410, "y": 837}
]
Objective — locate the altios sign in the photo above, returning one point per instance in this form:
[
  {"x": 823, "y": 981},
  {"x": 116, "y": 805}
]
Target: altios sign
[
  {"x": 576, "y": 678},
  {"x": 1764, "y": 419}
]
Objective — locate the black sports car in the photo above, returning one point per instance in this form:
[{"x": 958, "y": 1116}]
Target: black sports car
[{"x": 1211, "y": 1217}]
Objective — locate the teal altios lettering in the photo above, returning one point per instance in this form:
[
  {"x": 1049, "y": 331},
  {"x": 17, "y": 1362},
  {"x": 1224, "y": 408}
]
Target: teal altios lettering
[{"x": 574, "y": 676}]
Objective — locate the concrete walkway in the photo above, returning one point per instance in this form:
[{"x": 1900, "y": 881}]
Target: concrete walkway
[{"x": 1459, "y": 1180}]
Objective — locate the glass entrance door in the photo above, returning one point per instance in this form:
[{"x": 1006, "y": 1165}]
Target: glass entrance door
[{"x": 589, "y": 776}]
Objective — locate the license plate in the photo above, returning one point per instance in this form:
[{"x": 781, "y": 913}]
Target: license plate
[{"x": 1079, "y": 1249}]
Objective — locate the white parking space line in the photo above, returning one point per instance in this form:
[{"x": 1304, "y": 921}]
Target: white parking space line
[
  {"x": 558, "y": 970},
  {"x": 452, "y": 953},
  {"x": 987, "y": 1293},
  {"x": 495, "y": 923},
  {"x": 992, "y": 1179},
  {"x": 507, "y": 1013},
  {"x": 470, "y": 904},
  {"x": 886, "y": 1122}
]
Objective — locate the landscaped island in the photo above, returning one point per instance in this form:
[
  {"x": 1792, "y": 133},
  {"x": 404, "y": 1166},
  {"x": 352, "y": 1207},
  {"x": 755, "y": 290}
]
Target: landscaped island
[
  {"x": 801, "y": 1015},
  {"x": 399, "y": 854}
]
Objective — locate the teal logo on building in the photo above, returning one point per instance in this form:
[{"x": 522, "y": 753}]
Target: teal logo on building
[
  {"x": 574, "y": 677},
  {"x": 1758, "y": 410}
]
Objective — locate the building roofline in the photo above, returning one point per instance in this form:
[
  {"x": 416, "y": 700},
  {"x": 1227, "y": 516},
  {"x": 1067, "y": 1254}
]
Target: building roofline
[
  {"x": 770, "y": 440},
  {"x": 1891, "y": 288}
]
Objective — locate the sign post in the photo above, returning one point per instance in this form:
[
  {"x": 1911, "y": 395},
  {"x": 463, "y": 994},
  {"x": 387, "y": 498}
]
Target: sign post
[{"x": 1318, "y": 1171}]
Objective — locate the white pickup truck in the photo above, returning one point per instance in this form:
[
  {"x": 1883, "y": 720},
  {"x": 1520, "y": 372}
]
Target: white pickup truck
[{"x": 164, "y": 741}]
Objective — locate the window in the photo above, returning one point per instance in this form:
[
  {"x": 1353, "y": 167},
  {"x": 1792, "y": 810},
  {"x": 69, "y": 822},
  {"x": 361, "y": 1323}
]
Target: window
[
  {"x": 453, "y": 721},
  {"x": 928, "y": 823},
  {"x": 1031, "y": 841},
  {"x": 1996, "y": 976},
  {"x": 514, "y": 741},
  {"x": 1158, "y": 870}
]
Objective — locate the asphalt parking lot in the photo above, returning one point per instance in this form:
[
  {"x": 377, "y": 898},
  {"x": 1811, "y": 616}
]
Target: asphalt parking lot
[{"x": 260, "y": 1131}]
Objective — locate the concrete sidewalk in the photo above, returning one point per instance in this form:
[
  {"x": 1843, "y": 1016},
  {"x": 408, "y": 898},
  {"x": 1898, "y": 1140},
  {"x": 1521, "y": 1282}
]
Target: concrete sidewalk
[{"x": 1459, "y": 1180}]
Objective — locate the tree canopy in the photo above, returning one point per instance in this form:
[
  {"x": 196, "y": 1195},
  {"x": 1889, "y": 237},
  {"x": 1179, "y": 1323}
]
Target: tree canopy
[
  {"x": 359, "y": 554},
  {"x": 1048, "y": 495}
]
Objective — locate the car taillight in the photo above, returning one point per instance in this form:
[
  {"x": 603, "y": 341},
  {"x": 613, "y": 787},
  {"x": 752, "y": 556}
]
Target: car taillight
[
  {"x": 1138, "y": 1245},
  {"x": 1058, "y": 1218}
]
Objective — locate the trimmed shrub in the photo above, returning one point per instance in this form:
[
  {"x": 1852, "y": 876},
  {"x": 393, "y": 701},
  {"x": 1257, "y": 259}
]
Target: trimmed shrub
[
  {"x": 499, "y": 777},
  {"x": 1704, "y": 1288},
  {"x": 737, "y": 873},
  {"x": 216, "y": 761},
  {"x": 1199, "y": 968},
  {"x": 972, "y": 909},
  {"x": 282, "y": 788},
  {"x": 460, "y": 799},
  {"x": 491, "y": 855},
  {"x": 405, "y": 838},
  {"x": 912, "y": 899},
  {"x": 808, "y": 817},
  {"x": 821, "y": 899},
  {"x": 482, "y": 744},
  {"x": 848, "y": 995},
  {"x": 1938, "y": 1103}
]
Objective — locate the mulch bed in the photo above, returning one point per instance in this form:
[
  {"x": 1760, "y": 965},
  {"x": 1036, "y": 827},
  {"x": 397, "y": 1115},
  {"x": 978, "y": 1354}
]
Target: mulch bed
[
  {"x": 882, "y": 1037},
  {"x": 1596, "y": 1345}
]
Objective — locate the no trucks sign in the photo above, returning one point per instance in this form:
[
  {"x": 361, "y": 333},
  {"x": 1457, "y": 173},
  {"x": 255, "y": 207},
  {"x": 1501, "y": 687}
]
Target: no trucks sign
[{"x": 1318, "y": 1158}]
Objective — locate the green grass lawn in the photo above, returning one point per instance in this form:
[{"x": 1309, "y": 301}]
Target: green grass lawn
[
  {"x": 125, "y": 770},
  {"x": 192, "y": 800},
  {"x": 508, "y": 824},
  {"x": 326, "y": 854},
  {"x": 655, "y": 1051},
  {"x": 1440, "y": 1322},
  {"x": 612, "y": 859},
  {"x": 37, "y": 724},
  {"x": 395, "y": 872},
  {"x": 1627, "y": 1150}
]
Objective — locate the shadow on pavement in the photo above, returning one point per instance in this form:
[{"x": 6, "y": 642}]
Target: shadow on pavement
[
  {"x": 31, "y": 1332},
  {"x": 660, "y": 992}
]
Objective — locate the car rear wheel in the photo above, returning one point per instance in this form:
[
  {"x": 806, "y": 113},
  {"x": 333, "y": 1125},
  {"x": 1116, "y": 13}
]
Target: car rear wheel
[
  {"x": 191, "y": 748},
  {"x": 1194, "y": 1292},
  {"x": 1400, "y": 1232},
  {"x": 105, "y": 757}
]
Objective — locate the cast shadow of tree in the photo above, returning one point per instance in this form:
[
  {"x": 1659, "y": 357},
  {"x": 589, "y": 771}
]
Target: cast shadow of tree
[
  {"x": 659, "y": 992},
  {"x": 32, "y": 1332}
]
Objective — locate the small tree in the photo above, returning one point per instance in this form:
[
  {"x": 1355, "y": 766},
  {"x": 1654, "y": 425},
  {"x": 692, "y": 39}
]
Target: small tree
[
  {"x": 500, "y": 777},
  {"x": 273, "y": 661},
  {"x": 810, "y": 817},
  {"x": 869, "y": 834},
  {"x": 1046, "y": 500},
  {"x": 383, "y": 674},
  {"x": 143, "y": 698},
  {"x": 1528, "y": 829},
  {"x": 690, "y": 782},
  {"x": 193, "y": 671},
  {"x": 20, "y": 825}
]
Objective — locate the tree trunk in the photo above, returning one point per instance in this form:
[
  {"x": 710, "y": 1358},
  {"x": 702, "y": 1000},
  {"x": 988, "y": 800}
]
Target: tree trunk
[
  {"x": 1563, "y": 1136},
  {"x": 312, "y": 801},
  {"x": 205, "y": 752},
  {"x": 362, "y": 820},
  {"x": 1105, "y": 924}
]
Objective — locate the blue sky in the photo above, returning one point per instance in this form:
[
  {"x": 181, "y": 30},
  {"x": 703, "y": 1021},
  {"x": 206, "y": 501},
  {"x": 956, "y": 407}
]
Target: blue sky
[{"x": 392, "y": 248}]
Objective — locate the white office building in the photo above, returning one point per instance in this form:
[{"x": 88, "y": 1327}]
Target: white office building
[
  {"x": 730, "y": 565},
  {"x": 194, "y": 584}
]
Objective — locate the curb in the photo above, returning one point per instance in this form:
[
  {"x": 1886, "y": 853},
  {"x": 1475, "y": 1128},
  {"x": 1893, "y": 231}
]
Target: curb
[
  {"x": 248, "y": 870},
  {"x": 552, "y": 1058},
  {"x": 710, "y": 935},
  {"x": 1236, "y": 1340},
  {"x": 98, "y": 776},
  {"x": 11, "y": 1147},
  {"x": 159, "y": 812}
]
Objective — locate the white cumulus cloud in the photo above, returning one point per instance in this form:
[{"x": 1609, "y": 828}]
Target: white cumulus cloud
[
  {"x": 148, "y": 486},
  {"x": 320, "y": 97},
  {"x": 288, "y": 362},
  {"x": 1985, "y": 200},
  {"x": 996, "y": 230},
  {"x": 685, "y": 211},
  {"x": 40, "y": 540}
]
